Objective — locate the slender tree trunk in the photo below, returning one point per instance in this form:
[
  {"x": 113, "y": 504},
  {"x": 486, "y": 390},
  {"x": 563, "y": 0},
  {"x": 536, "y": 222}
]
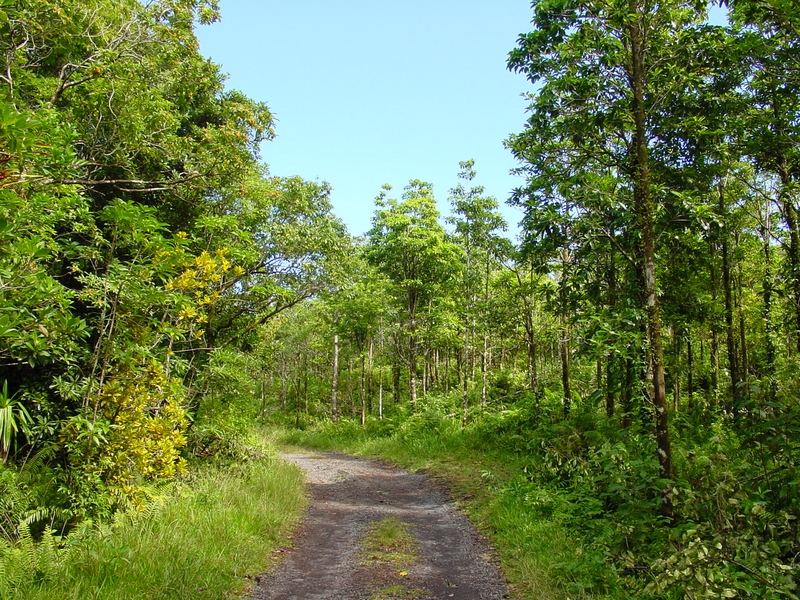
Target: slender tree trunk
[
  {"x": 714, "y": 356},
  {"x": 643, "y": 209},
  {"x": 564, "y": 331},
  {"x": 611, "y": 281},
  {"x": 465, "y": 381},
  {"x": 690, "y": 369},
  {"x": 790, "y": 216},
  {"x": 335, "y": 380},
  {"x": 351, "y": 387},
  {"x": 789, "y": 211},
  {"x": 610, "y": 400},
  {"x": 305, "y": 383},
  {"x": 484, "y": 366},
  {"x": 530, "y": 339},
  {"x": 447, "y": 371},
  {"x": 676, "y": 384},
  {"x": 396, "y": 380},
  {"x": 298, "y": 395},
  {"x": 485, "y": 354},
  {"x": 436, "y": 378},
  {"x": 363, "y": 390},
  {"x": 730, "y": 337},
  {"x": 744, "y": 367},
  {"x": 766, "y": 310},
  {"x": 412, "y": 371},
  {"x": 627, "y": 394},
  {"x": 380, "y": 393},
  {"x": 563, "y": 347}
]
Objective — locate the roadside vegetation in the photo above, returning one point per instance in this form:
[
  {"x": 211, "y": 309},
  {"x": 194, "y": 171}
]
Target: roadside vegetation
[
  {"x": 572, "y": 507},
  {"x": 613, "y": 396},
  {"x": 204, "y": 536}
]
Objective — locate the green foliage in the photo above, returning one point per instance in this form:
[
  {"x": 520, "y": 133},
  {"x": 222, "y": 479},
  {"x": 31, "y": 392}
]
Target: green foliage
[
  {"x": 228, "y": 520},
  {"x": 139, "y": 235},
  {"x": 14, "y": 419},
  {"x": 389, "y": 542}
]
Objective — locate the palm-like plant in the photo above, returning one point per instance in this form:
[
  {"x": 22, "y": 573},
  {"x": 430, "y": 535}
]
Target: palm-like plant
[{"x": 13, "y": 418}]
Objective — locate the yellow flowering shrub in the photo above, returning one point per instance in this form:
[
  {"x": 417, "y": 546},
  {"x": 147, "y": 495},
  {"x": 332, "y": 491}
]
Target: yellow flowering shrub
[
  {"x": 201, "y": 283},
  {"x": 137, "y": 435}
]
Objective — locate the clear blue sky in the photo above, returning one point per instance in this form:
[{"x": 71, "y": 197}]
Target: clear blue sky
[{"x": 368, "y": 92}]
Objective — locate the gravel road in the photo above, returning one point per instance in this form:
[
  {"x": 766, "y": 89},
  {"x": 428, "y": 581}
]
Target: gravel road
[{"x": 347, "y": 495}]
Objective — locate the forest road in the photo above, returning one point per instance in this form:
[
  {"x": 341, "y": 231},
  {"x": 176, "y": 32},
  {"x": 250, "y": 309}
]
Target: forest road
[{"x": 347, "y": 495}]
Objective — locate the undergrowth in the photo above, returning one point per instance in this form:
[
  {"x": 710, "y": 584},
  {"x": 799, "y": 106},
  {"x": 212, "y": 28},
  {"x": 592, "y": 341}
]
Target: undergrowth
[
  {"x": 572, "y": 506},
  {"x": 213, "y": 532}
]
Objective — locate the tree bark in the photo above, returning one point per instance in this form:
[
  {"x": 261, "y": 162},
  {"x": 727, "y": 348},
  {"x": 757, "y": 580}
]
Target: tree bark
[
  {"x": 643, "y": 209},
  {"x": 690, "y": 370},
  {"x": 363, "y": 390},
  {"x": 730, "y": 336},
  {"x": 766, "y": 309},
  {"x": 335, "y": 380},
  {"x": 412, "y": 347},
  {"x": 563, "y": 348}
]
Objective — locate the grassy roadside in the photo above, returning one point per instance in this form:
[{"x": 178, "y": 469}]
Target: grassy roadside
[
  {"x": 205, "y": 542},
  {"x": 539, "y": 557}
]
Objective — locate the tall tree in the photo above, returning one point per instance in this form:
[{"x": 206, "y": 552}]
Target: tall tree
[
  {"x": 409, "y": 245},
  {"x": 604, "y": 81},
  {"x": 477, "y": 226}
]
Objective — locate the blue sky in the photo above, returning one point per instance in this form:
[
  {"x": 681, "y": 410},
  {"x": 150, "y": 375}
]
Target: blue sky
[{"x": 368, "y": 92}]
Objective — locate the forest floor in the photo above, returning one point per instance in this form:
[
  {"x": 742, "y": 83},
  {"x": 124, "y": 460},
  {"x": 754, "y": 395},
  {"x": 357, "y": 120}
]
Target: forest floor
[{"x": 330, "y": 559}]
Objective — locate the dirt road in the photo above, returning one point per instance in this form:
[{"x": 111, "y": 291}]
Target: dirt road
[{"x": 347, "y": 495}]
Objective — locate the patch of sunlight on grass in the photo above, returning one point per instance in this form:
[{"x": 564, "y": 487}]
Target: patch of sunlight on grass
[
  {"x": 389, "y": 542},
  {"x": 206, "y": 543}
]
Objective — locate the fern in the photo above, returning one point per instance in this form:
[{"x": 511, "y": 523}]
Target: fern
[
  {"x": 19, "y": 564},
  {"x": 5, "y": 592},
  {"x": 15, "y": 500},
  {"x": 27, "y": 563}
]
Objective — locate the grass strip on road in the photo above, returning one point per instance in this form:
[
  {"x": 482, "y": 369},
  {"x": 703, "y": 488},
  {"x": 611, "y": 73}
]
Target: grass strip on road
[{"x": 537, "y": 554}]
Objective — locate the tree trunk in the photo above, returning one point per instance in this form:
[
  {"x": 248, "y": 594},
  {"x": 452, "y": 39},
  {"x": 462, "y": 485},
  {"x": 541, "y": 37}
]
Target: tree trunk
[
  {"x": 744, "y": 367},
  {"x": 789, "y": 211},
  {"x": 610, "y": 386},
  {"x": 363, "y": 390},
  {"x": 766, "y": 309},
  {"x": 335, "y": 380},
  {"x": 530, "y": 340},
  {"x": 380, "y": 393},
  {"x": 485, "y": 354},
  {"x": 690, "y": 370},
  {"x": 676, "y": 381},
  {"x": 730, "y": 337},
  {"x": 627, "y": 394},
  {"x": 484, "y": 366},
  {"x": 714, "y": 357},
  {"x": 563, "y": 348},
  {"x": 643, "y": 209},
  {"x": 396, "y": 373}
]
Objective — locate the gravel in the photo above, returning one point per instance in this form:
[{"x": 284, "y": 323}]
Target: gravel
[{"x": 347, "y": 495}]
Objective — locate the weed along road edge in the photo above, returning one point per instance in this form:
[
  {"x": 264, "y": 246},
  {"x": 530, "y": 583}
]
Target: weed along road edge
[{"x": 374, "y": 531}]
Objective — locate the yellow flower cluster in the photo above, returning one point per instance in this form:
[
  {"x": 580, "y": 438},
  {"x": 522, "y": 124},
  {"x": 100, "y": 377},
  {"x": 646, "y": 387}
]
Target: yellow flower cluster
[
  {"x": 203, "y": 272},
  {"x": 202, "y": 283},
  {"x": 148, "y": 424}
]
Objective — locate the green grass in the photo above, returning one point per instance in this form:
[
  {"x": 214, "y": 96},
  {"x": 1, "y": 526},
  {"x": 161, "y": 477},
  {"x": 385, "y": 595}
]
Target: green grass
[
  {"x": 540, "y": 558},
  {"x": 207, "y": 542},
  {"x": 388, "y": 542}
]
